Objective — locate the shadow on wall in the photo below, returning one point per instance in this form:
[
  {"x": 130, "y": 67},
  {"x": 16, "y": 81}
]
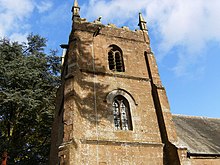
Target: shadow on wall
[{"x": 89, "y": 91}]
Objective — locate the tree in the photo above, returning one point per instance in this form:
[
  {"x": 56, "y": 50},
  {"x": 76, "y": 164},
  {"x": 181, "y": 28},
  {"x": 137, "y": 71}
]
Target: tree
[{"x": 28, "y": 82}]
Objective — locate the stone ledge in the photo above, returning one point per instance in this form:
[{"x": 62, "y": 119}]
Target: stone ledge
[
  {"x": 114, "y": 75},
  {"x": 120, "y": 143}
]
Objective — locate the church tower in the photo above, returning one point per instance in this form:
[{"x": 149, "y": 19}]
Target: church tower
[{"x": 111, "y": 107}]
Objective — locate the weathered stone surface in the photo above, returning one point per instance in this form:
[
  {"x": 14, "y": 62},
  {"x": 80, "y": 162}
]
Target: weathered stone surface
[{"x": 84, "y": 131}]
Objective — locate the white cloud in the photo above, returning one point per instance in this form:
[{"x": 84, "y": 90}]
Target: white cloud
[
  {"x": 116, "y": 11},
  {"x": 44, "y": 6},
  {"x": 14, "y": 16},
  {"x": 20, "y": 37},
  {"x": 12, "y": 13},
  {"x": 18, "y": 7},
  {"x": 186, "y": 24},
  {"x": 59, "y": 14}
]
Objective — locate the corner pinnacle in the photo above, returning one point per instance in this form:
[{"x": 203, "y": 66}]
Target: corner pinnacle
[
  {"x": 75, "y": 10},
  {"x": 142, "y": 23},
  {"x": 76, "y": 3}
]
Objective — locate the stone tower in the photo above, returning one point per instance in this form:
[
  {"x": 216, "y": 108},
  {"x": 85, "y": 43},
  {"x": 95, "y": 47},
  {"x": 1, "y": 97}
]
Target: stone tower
[{"x": 111, "y": 106}]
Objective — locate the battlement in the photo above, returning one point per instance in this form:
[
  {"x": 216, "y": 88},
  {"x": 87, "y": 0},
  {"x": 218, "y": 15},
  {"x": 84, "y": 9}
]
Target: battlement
[{"x": 111, "y": 31}]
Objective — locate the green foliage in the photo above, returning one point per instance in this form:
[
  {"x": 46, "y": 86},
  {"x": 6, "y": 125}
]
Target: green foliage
[{"x": 28, "y": 82}]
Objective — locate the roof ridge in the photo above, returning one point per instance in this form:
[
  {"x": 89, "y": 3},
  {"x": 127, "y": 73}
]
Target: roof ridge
[{"x": 196, "y": 117}]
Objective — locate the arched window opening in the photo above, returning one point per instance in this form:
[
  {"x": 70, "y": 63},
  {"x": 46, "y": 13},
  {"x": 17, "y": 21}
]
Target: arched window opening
[
  {"x": 115, "y": 59},
  {"x": 121, "y": 112}
]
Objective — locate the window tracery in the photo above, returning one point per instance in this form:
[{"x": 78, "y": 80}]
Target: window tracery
[{"x": 121, "y": 112}]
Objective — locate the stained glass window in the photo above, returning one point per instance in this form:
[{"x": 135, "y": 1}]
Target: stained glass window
[{"x": 121, "y": 112}]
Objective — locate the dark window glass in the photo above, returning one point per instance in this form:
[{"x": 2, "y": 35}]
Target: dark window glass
[
  {"x": 115, "y": 59},
  {"x": 111, "y": 60}
]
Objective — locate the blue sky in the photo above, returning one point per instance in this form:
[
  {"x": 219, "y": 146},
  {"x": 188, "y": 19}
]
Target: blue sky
[{"x": 185, "y": 38}]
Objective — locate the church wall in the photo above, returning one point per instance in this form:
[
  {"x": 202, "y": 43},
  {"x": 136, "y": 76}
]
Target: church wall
[
  {"x": 125, "y": 154},
  {"x": 88, "y": 117},
  {"x": 84, "y": 130},
  {"x": 205, "y": 161},
  {"x": 100, "y": 116},
  {"x": 111, "y": 153},
  {"x": 96, "y": 48},
  {"x": 92, "y": 50}
]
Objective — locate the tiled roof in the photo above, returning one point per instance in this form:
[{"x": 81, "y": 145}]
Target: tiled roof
[{"x": 200, "y": 135}]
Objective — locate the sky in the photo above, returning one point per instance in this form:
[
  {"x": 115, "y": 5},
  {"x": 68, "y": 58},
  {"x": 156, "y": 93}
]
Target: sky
[{"x": 185, "y": 38}]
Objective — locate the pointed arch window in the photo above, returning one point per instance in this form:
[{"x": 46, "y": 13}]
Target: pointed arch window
[
  {"x": 121, "y": 112},
  {"x": 115, "y": 59}
]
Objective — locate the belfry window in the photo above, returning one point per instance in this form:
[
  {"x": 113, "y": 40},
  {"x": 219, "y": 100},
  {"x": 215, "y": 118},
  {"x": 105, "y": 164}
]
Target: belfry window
[
  {"x": 121, "y": 112},
  {"x": 115, "y": 59}
]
